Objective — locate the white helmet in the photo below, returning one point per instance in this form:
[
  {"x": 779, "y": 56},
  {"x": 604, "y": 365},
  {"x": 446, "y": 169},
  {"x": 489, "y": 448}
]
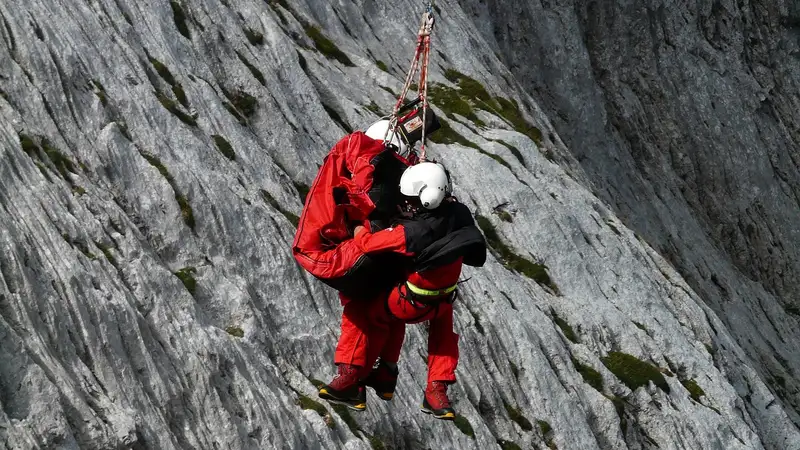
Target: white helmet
[
  {"x": 428, "y": 181},
  {"x": 378, "y": 130}
]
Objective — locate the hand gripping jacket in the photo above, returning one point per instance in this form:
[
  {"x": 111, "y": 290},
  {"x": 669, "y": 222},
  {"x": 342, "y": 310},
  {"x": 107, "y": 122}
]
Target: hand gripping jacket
[{"x": 356, "y": 185}]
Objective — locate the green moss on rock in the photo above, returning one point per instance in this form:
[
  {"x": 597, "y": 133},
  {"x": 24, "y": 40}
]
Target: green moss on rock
[
  {"x": 257, "y": 74},
  {"x": 186, "y": 275},
  {"x": 326, "y": 46},
  {"x": 172, "y": 107},
  {"x": 224, "y": 147},
  {"x": 516, "y": 415},
  {"x": 179, "y": 16},
  {"x": 464, "y": 426},
  {"x": 566, "y": 328},
  {"x": 348, "y": 419},
  {"x": 634, "y": 372},
  {"x": 589, "y": 375},
  {"x": 235, "y": 331},
  {"x": 695, "y": 391},
  {"x": 512, "y": 261}
]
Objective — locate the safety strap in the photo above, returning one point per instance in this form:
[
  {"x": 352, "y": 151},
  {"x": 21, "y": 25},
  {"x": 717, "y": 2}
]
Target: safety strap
[
  {"x": 422, "y": 52},
  {"x": 428, "y": 292}
]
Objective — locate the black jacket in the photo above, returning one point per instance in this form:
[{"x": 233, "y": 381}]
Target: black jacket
[{"x": 439, "y": 237}]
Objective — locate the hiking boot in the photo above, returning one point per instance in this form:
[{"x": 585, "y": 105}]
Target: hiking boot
[
  {"x": 346, "y": 389},
  {"x": 436, "y": 401},
  {"x": 383, "y": 380}
]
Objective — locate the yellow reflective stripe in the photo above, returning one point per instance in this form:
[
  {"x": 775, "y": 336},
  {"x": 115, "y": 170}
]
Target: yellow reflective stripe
[{"x": 419, "y": 291}]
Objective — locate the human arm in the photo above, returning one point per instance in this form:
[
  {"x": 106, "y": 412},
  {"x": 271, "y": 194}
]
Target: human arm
[{"x": 387, "y": 240}]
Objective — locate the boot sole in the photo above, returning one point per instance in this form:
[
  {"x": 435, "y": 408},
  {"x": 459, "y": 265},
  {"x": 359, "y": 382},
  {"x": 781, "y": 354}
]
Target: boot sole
[
  {"x": 385, "y": 396},
  {"x": 355, "y": 406},
  {"x": 445, "y": 416}
]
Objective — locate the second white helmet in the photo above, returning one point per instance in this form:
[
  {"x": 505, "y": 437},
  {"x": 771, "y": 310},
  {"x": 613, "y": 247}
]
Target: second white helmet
[
  {"x": 378, "y": 131},
  {"x": 428, "y": 181}
]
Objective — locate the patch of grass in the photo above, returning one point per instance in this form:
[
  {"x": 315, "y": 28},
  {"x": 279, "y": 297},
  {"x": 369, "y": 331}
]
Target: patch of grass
[
  {"x": 544, "y": 427},
  {"x": 235, "y": 331},
  {"x": 514, "y": 150},
  {"x": 179, "y": 16},
  {"x": 326, "y": 46},
  {"x": 293, "y": 219},
  {"x": 28, "y": 145},
  {"x": 253, "y": 69},
  {"x": 389, "y": 90},
  {"x": 510, "y": 111},
  {"x": 242, "y": 102},
  {"x": 640, "y": 326},
  {"x": 224, "y": 147},
  {"x": 106, "y": 252},
  {"x": 497, "y": 158},
  {"x": 447, "y": 135},
  {"x": 695, "y": 391},
  {"x": 374, "y": 108},
  {"x": 382, "y": 65},
  {"x": 63, "y": 164},
  {"x": 565, "y": 328},
  {"x": 515, "y": 415},
  {"x": 590, "y": 376},
  {"x": 100, "y": 92},
  {"x": 508, "y": 445},
  {"x": 473, "y": 93},
  {"x": 512, "y": 261},
  {"x": 634, "y": 372},
  {"x": 172, "y": 107},
  {"x": 163, "y": 71},
  {"x": 505, "y": 216},
  {"x": 348, "y": 419},
  {"x": 793, "y": 309},
  {"x": 186, "y": 208},
  {"x": 376, "y": 443},
  {"x": 337, "y": 118},
  {"x": 451, "y": 103},
  {"x": 306, "y": 402},
  {"x": 80, "y": 245},
  {"x": 179, "y": 93},
  {"x": 186, "y": 275},
  {"x": 464, "y": 426},
  {"x": 253, "y": 36}
]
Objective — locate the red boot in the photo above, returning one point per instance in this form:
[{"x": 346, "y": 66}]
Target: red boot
[
  {"x": 383, "y": 380},
  {"x": 436, "y": 401},
  {"x": 346, "y": 389}
]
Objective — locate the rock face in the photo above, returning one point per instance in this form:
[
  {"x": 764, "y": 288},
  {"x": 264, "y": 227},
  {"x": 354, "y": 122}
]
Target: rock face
[{"x": 154, "y": 159}]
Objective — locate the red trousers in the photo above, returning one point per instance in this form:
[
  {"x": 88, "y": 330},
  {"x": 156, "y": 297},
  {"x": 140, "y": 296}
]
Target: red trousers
[{"x": 377, "y": 328}]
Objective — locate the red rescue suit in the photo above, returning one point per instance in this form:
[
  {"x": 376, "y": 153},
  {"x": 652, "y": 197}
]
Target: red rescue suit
[
  {"x": 380, "y": 330},
  {"x": 345, "y": 193}
]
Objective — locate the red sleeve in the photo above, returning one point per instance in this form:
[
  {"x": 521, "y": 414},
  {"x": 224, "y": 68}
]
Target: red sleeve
[
  {"x": 388, "y": 240},
  {"x": 360, "y": 152}
]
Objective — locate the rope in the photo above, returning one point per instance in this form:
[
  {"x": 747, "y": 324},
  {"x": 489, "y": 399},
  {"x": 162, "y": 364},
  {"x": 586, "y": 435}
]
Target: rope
[{"x": 422, "y": 50}]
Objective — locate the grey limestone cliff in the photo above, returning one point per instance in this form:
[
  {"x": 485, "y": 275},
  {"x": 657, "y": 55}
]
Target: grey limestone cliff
[{"x": 632, "y": 165}]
